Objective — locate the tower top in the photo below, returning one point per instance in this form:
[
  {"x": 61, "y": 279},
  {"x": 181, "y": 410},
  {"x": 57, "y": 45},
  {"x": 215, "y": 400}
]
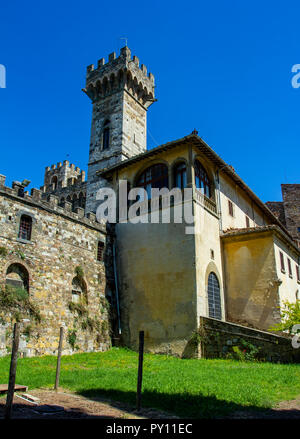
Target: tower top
[{"x": 120, "y": 72}]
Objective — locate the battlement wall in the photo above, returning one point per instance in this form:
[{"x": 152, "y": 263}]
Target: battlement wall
[
  {"x": 121, "y": 72},
  {"x": 50, "y": 203}
]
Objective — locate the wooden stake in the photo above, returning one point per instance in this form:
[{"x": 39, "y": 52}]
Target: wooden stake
[
  {"x": 12, "y": 372},
  {"x": 140, "y": 371},
  {"x": 61, "y": 336}
]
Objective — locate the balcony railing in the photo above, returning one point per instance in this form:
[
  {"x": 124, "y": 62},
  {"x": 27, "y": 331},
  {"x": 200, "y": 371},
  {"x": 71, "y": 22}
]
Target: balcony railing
[{"x": 207, "y": 203}]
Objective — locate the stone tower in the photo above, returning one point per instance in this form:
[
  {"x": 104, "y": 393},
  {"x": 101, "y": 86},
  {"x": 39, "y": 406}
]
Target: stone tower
[{"x": 121, "y": 92}]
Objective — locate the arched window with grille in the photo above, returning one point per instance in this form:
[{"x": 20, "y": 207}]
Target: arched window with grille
[
  {"x": 202, "y": 180},
  {"x": 25, "y": 228},
  {"x": 180, "y": 175},
  {"x": 155, "y": 176},
  {"x": 214, "y": 297},
  {"x": 106, "y": 134}
]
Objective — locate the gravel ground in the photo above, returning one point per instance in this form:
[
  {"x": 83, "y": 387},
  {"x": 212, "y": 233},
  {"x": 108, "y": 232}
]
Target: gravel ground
[{"x": 62, "y": 405}]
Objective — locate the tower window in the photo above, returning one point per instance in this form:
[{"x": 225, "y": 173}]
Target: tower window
[
  {"x": 106, "y": 135},
  {"x": 247, "y": 221},
  {"x": 25, "y": 227},
  {"x": 290, "y": 268},
  {"x": 54, "y": 183},
  {"x": 100, "y": 251}
]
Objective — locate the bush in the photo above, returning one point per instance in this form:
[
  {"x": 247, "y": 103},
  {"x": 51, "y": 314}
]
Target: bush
[
  {"x": 290, "y": 316},
  {"x": 16, "y": 302}
]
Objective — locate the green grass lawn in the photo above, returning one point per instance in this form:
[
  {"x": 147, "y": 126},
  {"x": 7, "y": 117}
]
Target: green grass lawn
[{"x": 187, "y": 388}]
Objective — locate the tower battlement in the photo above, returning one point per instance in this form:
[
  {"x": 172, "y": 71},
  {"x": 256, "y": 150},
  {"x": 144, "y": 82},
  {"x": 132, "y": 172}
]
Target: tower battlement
[
  {"x": 121, "y": 92},
  {"x": 123, "y": 72},
  {"x": 61, "y": 175}
]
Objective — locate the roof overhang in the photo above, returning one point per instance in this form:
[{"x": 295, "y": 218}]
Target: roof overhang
[
  {"x": 260, "y": 231},
  {"x": 221, "y": 165}
]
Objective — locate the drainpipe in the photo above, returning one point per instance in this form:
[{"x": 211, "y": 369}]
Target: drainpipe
[
  {"x": 219, "y": 200},
  {"x": 117, "y": 288}
]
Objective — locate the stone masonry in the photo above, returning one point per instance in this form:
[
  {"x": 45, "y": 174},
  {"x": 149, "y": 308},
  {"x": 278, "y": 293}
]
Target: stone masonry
[
  {"x": 61, "y": 241},
  {"x": 121, "y": 92},
  {"x": 67, "y": 182},
  {"x": 288, "y": 210}
]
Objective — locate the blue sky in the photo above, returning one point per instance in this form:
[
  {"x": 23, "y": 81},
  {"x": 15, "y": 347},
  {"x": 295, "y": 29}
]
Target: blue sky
[{"x": 223, "y": 68}]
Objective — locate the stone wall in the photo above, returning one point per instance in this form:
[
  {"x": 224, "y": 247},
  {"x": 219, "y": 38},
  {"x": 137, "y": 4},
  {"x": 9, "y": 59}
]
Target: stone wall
[
  {"x": 220, "y": 337},
  {"x": 291, "y": 202},
  {"x": 277, "y": 209},
  {"x": 121, "y": 92},
  {"x": 61, "y": 241}
]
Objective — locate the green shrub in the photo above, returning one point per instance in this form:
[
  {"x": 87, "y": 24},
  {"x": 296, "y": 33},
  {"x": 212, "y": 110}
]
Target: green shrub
[
  {"x": 3, "y": 252},
  {"x": 72, "y": 336},
  {"x": 290, "y": 316},
  {"x": 16, "y": 302}
]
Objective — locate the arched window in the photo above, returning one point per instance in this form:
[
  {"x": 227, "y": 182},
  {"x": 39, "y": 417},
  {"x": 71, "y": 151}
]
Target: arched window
[
  {"x": 201, "y": 180},
  {"x": 74, "y": 202},
  {"x": 214, "y": 298},
  {"x": 17, "y": 276},
  {"x": 54, "y": 183},
  {"x": 154, "y": 177},
  {"x": 81, "y": 200},
  {"x": 180, "y": 175},
  {"x": 78, "y": 290},
  {"x": 106, "y": 133},
  {"x": 25, "y": 227}
]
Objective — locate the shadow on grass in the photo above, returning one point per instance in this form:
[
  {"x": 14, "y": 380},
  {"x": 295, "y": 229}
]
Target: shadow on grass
[{"x": 182, "y": 405}]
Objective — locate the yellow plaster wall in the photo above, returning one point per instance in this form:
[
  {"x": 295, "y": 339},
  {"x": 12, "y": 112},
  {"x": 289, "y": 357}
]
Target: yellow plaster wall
[{"x": 251, "y": 287}]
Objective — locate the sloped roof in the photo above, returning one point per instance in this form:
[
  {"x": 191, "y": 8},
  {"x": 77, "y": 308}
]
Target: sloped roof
[
  {"x": 262, "y": 229},
  {"x": 197, "y": 141}
]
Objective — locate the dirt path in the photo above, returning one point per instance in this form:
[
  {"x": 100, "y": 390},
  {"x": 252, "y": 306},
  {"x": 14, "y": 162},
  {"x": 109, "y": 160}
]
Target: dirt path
[
  {"x": 283, "y": 410},
  {"x": 62, "y": 405}
]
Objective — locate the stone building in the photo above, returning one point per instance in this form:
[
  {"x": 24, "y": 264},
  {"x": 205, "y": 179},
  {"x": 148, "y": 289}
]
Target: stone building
[
  {"x": 231, "y": 268},
  {"x": 288, "y": 210}
]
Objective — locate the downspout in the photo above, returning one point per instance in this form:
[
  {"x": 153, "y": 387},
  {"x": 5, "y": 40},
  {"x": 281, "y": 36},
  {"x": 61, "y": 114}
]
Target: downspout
[
  {"x": 219, "y": 200},
  {"x": 117, "y": 288}
]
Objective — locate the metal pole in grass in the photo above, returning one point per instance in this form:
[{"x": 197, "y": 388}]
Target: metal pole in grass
[
  {"x": 140, "y": 371},
  {"x": 12, "y": 371},
  {"x": 61, "y": 336}
]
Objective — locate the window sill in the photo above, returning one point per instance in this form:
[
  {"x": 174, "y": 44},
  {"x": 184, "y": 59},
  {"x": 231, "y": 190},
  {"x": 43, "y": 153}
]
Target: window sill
[
  {"x": 290, "y": 276},
  {"x": 24, "y": 241},
  {"x": 282, "y": 271}
]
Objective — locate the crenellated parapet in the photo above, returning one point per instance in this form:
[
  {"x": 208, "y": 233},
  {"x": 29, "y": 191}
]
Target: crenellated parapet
[
  {"x": 118, "y": 74},
  {"x": 62, "y": 175},
  {"x": 52, "y": 203}
]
